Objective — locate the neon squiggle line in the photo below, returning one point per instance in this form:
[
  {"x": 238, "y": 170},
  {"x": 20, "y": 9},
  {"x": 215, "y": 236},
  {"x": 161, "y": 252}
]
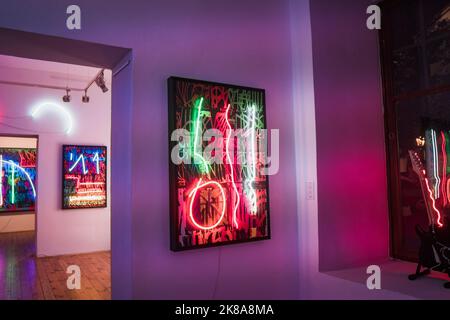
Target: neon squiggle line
[
  {"x": 97, "y": 159},
  {"x": 192, "y": 195},
  {"x": 444, "y": 168},
  {"x": 24, "y": 171},
  {"x": 231, "y": 168},
  {"x": 430, "y": 193},
  {"x": 435, "y": 165},
  {"x": 196, "y": 134},
  {"x": 81, "y": 157},
  {"x": 251, "y": 190}
]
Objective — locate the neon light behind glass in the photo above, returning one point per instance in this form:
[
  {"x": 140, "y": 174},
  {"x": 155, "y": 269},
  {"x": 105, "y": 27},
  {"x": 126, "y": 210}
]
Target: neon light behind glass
[
  {"x": 435, "y": 165},
  {"x": 192, "y": 196},
  {"x": 49, "y": 106},
  {"x": 444, "y": 168},
  {"x": 251, "y": 193},
  {"x": 15, "y": 166},
  {"x": 236, "y": 205},
  {"x": 433, "y": 202}
]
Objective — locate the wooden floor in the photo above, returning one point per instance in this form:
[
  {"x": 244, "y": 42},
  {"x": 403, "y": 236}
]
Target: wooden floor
[{"x": 23, "y": 276}]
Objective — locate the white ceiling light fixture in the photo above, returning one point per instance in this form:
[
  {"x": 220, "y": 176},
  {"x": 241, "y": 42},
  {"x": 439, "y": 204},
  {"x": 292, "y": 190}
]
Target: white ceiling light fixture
[{"x": 66, "y": 97}]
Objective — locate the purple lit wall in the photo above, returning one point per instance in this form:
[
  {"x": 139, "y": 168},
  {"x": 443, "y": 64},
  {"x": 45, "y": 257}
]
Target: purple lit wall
[
  {"x": 241, "y": 42},
  {"x": 352, "y": 195}
]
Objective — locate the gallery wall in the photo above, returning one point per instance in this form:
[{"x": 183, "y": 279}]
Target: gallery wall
[
  {"x": 17, "y": 221},
  {"x": 314, "y": 281},
  {"x": 244, "y": 43},
  {"x": 263, "y": 44},
  {"x": 351, "y": 162},
  {"x": 59, "y": 231}
]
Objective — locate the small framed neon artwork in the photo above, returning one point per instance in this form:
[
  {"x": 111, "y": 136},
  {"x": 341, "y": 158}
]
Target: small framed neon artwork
[
  {"x": 219, "y": 193},
  {"x": 17, "y": 180},
  {"x": 84, "y": 177}
]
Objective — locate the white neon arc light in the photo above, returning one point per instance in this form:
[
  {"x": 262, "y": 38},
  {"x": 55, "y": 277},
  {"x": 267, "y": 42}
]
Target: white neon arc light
[
  {"x": 22, "y": 170},
  {"x": 435, "y": 165},
  {"x": 49, "y": 106}
]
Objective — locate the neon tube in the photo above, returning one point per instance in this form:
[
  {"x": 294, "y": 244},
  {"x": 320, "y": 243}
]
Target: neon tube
[
  {"x": 91, "y": 191},
  {"x": 24, "y": 171},
  {"x": 252, "y": 175},
  {"x": 97, "y": 160},
  {"x": 433, "y": 202},
  {"x": 435, "y": 165},
  {"x": 192, "y": 195},
  {"x": 91, "y": 183},
  {"x": 231, "y": 168},
  {"x": 444, "y": 168},
  {"x": 54, "y": 107},
  {"x": 196, "y": 134},
  {"x": 86, "y": 198},
  {"x": 81, "y": 157}
]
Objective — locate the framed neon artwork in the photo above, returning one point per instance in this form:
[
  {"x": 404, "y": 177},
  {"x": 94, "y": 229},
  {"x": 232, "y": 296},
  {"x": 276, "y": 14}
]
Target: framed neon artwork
[
  {"x": 218, "y": 193},
  {"x": 17, "y": 180},
  {"x": 84, "y": 177}
]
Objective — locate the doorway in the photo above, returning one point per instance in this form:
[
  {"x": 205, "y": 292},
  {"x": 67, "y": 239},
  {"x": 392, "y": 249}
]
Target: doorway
[
  {"x": 18, "y": 196},
  {"x": 69, "y": 108},
  {"x": 120, "y": 61}
]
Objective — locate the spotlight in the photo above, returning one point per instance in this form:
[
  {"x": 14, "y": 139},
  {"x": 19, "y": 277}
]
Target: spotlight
[
  {"x": 66, "y": 97},
  {"x": 100, "y": 81},
  {"x": 85, "y": 97}
]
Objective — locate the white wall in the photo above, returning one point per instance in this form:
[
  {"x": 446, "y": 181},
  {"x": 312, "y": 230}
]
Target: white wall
[
  {"x": 23, "y": 221},
  {"x": 60, "y": 231}
]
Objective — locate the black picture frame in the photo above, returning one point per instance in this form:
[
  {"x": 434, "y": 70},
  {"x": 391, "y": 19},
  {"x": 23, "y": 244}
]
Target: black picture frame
[
  {"x": 173, "y": 214},
  {"x": 64, "y": 207}
]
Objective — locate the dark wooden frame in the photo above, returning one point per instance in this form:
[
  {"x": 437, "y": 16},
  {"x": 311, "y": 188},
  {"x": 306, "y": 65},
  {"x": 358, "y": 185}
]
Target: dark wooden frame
[
  {"x": 173, "y": 173},
  {"x": 63, "y": 174}
]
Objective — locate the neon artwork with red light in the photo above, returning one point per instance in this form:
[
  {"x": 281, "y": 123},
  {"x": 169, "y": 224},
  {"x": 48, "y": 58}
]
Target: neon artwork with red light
[
  {"x": 433, "y": 201},
  {"x": 218, "y": 194},
  {"x": 17, "y": 180},
  {"x": 84, "y": 177}
]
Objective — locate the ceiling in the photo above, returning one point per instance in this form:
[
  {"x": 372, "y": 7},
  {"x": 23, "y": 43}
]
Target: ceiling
[{"x": 14, "y": 69}]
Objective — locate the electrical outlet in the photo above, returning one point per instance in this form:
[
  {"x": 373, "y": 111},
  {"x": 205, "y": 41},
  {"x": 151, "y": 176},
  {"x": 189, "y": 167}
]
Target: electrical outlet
[{"x": 309, "y": 193}]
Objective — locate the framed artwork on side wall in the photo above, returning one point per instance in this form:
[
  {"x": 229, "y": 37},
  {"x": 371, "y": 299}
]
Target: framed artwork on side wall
[
  {"x": 17, "y": 180},
  {"x": 219, "y": 194},
  {"x": 84, "y": 177}
]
